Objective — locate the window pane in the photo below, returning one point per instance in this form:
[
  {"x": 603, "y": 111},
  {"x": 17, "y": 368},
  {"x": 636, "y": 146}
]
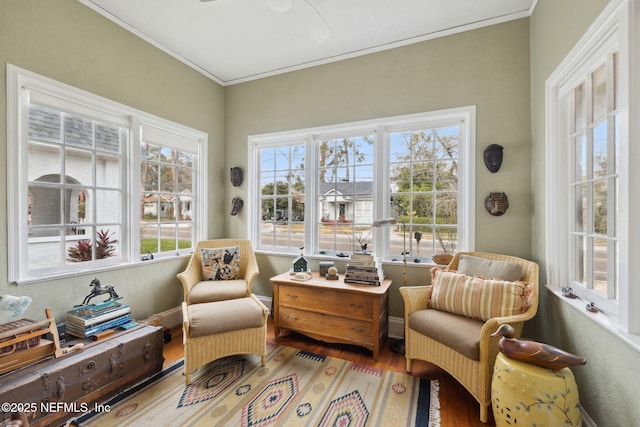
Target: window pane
[
  {"x": 149, "y": 238},
  {"x": 599, "y": 90},
  {"x": 600, "y": 266},
  {"x": 580, "y": 207},
  {"x": 282, "y": 209},
  {"x": 345, "y": 193},
  {"x": 107, "y": 138},
  {"x": 446, "y": 239},
  {"x": 447, "y": 176},
  {"x": 600, "y": 217},
  {"x": 78, "y": 207},
  {"x": 600, "y": 150},
  {"x": 79, "y": 166},
  {"x": 185, "y": 180},
  {"x": 78, "y": 131},
  {"x": 580, "y": 119},
  {"x": 45, "y": 252},
  {"x": 581, "y": 158},
  {"x": 149, "y": 176},
  {"x": 167, "y": 178},
  {"x": 81, "y": 248},
  {"x": 580, "y": 250},
  {"x": 45, "y": 205},
  {"x": 167, "y": 204},
  {"x": 108, "y": 206},
  {"x": 45, "y": 124},
  {"x": 424, "y": 185},
  {"x": 45, "y": 163},
  {"x": 108, "y": 171}
]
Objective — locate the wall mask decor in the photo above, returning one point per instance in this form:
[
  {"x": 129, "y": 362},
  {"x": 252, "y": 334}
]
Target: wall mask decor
[
  {"x": 493, "y": 157},
  {"x": 236, "y": 176},
  {"x": 496, "y": 203},
  {"x": 236, "y": 204}
]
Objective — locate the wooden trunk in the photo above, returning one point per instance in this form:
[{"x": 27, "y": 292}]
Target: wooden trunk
[{"x": 56, "y": 390}]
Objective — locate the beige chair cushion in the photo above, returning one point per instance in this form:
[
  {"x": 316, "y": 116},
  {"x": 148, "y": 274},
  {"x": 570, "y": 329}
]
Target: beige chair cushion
[
  {"x": 489, "y": 269},
  {"x": 217, "y": 290},
  {"x": 458, "y": 332},
  {"x": 224, "y": 316}
]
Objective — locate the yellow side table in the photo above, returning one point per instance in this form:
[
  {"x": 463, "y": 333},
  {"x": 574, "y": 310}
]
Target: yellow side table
[{"x": 525, "y": 394}]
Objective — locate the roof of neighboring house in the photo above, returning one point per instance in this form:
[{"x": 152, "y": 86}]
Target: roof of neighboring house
[
  {"x": 46, "y": 124},
  {"x": 349, "y": 188},
  {"x": 154, "y": 198}
]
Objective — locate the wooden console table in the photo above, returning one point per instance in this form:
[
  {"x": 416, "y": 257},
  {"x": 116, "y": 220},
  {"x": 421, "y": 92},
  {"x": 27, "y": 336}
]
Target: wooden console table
[{"x": 331, "y": 310}]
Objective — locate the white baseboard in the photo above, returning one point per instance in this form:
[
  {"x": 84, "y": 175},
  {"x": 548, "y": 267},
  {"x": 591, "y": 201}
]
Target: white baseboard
[{"x": 587, "y": 421}]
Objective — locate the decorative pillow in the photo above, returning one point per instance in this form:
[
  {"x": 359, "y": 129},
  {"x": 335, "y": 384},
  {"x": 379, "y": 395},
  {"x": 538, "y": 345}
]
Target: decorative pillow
[
  {"x": 478, "y": 298},
  {"x": 220, "y": 263},
  {"x": 489, "y": 269}
]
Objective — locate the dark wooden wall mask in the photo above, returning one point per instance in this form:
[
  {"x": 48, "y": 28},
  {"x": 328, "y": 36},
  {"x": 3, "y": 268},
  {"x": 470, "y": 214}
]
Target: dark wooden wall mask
[
  {"x": 493, "y": 157},
  {"x": 236, "y": 176},
  {"x": 496, "y": 203}
]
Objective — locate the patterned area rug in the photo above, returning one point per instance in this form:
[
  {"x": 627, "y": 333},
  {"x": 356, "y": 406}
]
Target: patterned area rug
[{"x": 295, "y": 388}]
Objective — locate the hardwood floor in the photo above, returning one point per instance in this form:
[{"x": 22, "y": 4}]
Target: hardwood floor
[{"x": 457, "y": 407}]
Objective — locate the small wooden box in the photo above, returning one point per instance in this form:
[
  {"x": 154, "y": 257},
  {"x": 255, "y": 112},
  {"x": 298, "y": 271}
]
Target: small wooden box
[{"x": 20, "y": 346}]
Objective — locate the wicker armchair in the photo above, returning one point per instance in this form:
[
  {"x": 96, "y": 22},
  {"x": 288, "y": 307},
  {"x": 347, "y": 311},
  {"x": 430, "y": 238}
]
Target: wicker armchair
[
  {"x": 474, "y": 374},
  {"x": 198, "y": 291}
]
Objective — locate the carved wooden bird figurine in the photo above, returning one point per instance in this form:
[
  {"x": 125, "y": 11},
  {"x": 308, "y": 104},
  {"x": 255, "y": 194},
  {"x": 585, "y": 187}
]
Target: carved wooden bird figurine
[{"x": 534, "y": 352}]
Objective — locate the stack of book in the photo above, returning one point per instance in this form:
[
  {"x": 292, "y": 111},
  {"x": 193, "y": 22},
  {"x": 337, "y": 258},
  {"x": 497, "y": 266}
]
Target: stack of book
[
  {"x": 364, "y": 269},
  {"x": 85, "y": 321}
]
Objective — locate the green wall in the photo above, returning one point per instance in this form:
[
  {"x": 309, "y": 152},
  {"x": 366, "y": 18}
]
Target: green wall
[
  {"x": 66, "y": 41},
  {"x": 488, "y": 68},
  {"x": 501, "y": 69},
  {"x": 608, "y": 382}
]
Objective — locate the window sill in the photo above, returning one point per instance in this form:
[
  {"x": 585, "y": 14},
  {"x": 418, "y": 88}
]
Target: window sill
[
  {"x": 94, "y": 270},
  {"x": 335, "y": 258},
  {"x": 606, "y": 321}
]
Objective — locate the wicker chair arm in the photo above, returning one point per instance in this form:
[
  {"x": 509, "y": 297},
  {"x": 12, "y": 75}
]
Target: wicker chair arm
[
  {"x": 190, "y": 276},
  {"x": 185, "y": 322},
  {"x": 415, "y": 298},
  {"x": 252, "y": 272}
]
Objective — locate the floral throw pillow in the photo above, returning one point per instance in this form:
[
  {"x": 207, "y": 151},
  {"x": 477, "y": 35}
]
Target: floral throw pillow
[{"x": 220, "y": 263}]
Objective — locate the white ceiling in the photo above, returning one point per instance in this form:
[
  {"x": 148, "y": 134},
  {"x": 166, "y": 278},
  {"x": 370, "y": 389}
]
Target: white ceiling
[{"x": 233, "y": 41}]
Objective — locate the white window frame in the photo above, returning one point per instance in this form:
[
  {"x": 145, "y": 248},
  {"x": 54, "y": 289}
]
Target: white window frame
[
  {"x": 466, "y": 116},
  {"x": 20, "y": 83},
  {"x": 615, "y": 29}
]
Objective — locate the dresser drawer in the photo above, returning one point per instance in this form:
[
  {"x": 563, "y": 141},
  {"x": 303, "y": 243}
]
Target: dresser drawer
[
  {"x": 352, "y": 305},
  {"x": 329, "y": 326}
]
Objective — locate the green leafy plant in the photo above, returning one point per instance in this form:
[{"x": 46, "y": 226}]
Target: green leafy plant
[{"x": 83, "y": 250}]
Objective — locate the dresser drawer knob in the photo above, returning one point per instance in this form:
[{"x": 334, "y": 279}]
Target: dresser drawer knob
[{"x": 293, "y": 297}]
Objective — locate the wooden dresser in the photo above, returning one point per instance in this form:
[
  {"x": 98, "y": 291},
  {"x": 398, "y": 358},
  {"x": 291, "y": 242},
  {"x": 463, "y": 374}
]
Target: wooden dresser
[{"x": 331, "y": 310}]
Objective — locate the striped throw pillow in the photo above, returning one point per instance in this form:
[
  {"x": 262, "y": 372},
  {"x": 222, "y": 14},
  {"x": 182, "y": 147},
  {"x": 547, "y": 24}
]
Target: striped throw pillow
[{"x": 476, "y": 297}]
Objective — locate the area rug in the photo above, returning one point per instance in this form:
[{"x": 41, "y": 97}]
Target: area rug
[{"x": 295, "y": 388}]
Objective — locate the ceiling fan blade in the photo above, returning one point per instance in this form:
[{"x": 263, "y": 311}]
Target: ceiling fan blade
[
  {"x": 317, "y": 26},
  {"x": 280, "y": 5}
]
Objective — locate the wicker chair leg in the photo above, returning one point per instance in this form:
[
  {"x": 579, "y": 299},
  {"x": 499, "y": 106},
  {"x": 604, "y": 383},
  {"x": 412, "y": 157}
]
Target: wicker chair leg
[
  {"x": 484, "y": 413},
  {"x": 409, "y": 365}
]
